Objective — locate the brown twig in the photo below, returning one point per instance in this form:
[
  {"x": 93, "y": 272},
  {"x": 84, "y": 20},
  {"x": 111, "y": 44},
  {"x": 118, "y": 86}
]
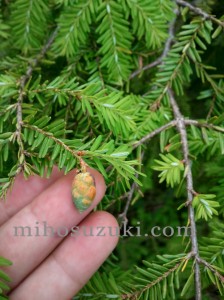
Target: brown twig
[
  {"x": 173, "y": 123},
  {"x": 149, "y": 136},
  {"x": 123, "y": 216},
  {"x": 165, "y": 51},
  {"x": 56, "y": 140},
  {"x": 149, "y": 66},
  {"x": 194, "y": 243},
  {"x": 136, "y": 294},
  {"x": 210, "y": 267},
  {"x": 211, "y": 107},
  {"x": 200, "y": 12},
  {"x": 23, "y": 80},
  {"x": 158, "y": 61},
  {"x": 206, "y": 125}
]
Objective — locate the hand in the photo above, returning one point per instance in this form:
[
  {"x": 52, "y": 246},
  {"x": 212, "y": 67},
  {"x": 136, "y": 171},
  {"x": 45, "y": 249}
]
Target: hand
[{"x": 53, "y": 266}]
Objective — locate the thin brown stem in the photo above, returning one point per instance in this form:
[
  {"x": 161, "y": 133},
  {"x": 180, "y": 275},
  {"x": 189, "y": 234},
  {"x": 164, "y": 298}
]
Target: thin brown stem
[
  {"x": 194, "y": 243},
  {"x": 211, "y": 108},
  {"x": 200, "y": 12},
  {"x": 123, "y": 216},
  {"x": 149, "y": 136},
  {"x": 26, "y": 77},
  {"x": 23, "y": 80},
  {"x": 206, "y": 125},
  {"x": 173, "y": 123},
  {"x": 165, "y": 51},
  {"x": 136, "y": 294},
  {"x": 216, "y": 273},
  {"x": 56, "y": 140},
  {"x": 147, "y": 67}
]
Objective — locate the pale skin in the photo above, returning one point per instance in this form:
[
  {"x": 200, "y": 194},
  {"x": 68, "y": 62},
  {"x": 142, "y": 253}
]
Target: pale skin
[{"x": 52, "y": 267}]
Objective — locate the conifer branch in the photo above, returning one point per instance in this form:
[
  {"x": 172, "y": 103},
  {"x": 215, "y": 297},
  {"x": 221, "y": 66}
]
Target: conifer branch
[
  {"x": 149, "y": 136},
  {"x": 22, "y": 165},
  {"x": 211, "y": 107},
  {"x": 23, "y": 80},
  {"x": 206, "y": 125},
  {"x": 200, "y": 12},
  {"x": 173, "y": 123},
  {"x": 100, "y": 72},
  {"x": 56, "y": 140},
  {"x": 98, "y": 43},
  {"x": 175, "y": 72},
  {"x": 147, "y": 67},
  {"x": 136, "y": 294},
  {"x": 210, "y": 267},
  {"x": 123, "y": 216},
  {"x": 194, "y": 243},
  {"x": 165, "y": 51},
  {"x": 129, "y": 195},
  {"x": 11, "y": 107}
]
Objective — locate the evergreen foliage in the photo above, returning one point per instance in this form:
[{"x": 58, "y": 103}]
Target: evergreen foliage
[
  {"x": 4, "y": 278},
  {"x": 97, "y": 80}
]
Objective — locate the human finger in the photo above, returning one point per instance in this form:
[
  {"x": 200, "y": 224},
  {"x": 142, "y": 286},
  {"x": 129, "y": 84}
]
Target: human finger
[
  {"x": 33, "y": 233},
  {"x": 23, "y": 192},
  {"x": 71, "y": 265}
]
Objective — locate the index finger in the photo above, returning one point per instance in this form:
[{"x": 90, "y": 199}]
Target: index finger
[{"x": 23, "y": 192}]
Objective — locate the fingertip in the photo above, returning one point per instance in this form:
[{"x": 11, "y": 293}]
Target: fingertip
[
  {"x": 24, "y": 191},
  {"x": 112, "y": 223},
  {"x": 105, "y": 220}
]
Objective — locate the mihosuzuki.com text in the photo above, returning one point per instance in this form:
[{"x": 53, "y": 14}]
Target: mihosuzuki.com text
[{"x": 45, "y": 230}]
